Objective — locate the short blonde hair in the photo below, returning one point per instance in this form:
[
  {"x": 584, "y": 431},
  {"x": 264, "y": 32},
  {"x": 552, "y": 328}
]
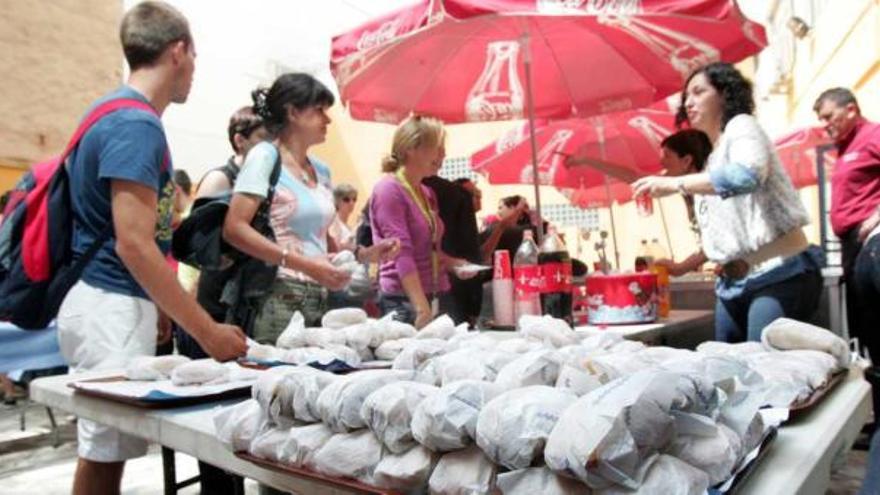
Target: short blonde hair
[{"x": 413, "y": 133}]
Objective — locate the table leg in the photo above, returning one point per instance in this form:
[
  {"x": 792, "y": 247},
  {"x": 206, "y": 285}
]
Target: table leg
[{"x": 169, "y": 471}]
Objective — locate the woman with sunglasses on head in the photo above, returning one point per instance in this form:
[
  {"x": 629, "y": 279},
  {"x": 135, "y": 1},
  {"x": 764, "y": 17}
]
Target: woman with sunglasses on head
[{"x": 749, "y": 214}]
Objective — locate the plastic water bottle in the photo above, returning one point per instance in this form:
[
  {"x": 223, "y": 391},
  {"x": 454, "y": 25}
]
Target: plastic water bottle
[{"x": 527, "y": 278}]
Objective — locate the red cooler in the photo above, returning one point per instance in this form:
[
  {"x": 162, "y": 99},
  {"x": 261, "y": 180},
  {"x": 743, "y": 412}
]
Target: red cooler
[{"x": 621, "y": 299}]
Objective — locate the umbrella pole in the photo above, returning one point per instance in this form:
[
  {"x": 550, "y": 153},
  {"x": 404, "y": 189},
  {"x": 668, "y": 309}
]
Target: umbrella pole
[
  {"x": 600, "y": 130},
  {"x": 665, "y": 228},
  {"x": 530, "y": 105},
  {"x": 611, "y": 216}
]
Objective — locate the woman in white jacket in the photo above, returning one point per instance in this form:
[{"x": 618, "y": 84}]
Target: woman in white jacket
[{"x": 749, "y": 214}]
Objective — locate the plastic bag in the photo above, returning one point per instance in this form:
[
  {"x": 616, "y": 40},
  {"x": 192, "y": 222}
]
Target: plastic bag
[
  {"x": 294, "y": 335},
  {"x": 262, "y": 352},
  {"x": 463, "y": 472},
  {"x": 302, "y": 443},
  {"x": 441, "y": 327},
  {"x": 390, "y": 349},
  {"x": 467, "y": 364},
  {"x": 786, "y": 334},
  {"x": 519, "y": 345},
  {"x": 417, "y": 351},
  {"x": 321, "y": 355},
  {"x": 447, "y": 420},
  {"x": 388, "y": 412},
  {"x": 716, "y": 454},
  {"x": 340, "y": 403},
  {"x": 323, "y": 337},
  {"x": 538, "y": 480},
  {"x": 727, "y": 349},
  {"x": 343, "y": 317},
  {"x": 237, "y": 425},
  {"x": 359, "y": 336},
  {"x": 298, "y": 393},
  {"x": 150, "y": 368},
  {"x": 547, "y": 329},
  {"x": 533, "y": 368},
  {"x": 349, "y": 455},
  {"x": 513, "y": 427},
  {"x": 607, "y": 436},
  {"x": 387, "y": 328},
  {"x": 406, "y": 472},
  {"x": 267, "y": 444},
  {"x": 669, "y": 476},
  {"x": 200, "y": 372},
  {"x": 265, "y": 389}
]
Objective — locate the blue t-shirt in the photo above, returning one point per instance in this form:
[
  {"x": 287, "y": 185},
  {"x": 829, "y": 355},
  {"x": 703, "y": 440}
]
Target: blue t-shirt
[
  {"x": 300, "y": 214},
  {"x": 128, "y": 144}
]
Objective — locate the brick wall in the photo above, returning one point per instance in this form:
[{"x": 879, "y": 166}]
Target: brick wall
[{"x": 57, "y": 56}]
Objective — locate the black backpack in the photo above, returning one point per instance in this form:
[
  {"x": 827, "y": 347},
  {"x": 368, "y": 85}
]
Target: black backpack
[{"x": 198, "y": 240}]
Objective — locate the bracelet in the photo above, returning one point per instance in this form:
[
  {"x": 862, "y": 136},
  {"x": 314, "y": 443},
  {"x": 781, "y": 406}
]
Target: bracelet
[
  {"x": 284, "y": 252},
  {"x": 679, "y": 184}
]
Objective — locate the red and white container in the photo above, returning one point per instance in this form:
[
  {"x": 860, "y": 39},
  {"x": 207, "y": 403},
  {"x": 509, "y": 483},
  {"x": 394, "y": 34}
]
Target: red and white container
[
  {"x": 620, "y": 299},
  {"x": 502, "y": 289}
]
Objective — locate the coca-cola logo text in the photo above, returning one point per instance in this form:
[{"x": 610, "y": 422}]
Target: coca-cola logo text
[{"x": 370, "y": 39}]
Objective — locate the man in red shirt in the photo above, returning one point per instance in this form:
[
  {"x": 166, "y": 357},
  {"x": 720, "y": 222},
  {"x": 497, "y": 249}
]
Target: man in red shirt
[{"x": 855, "y": 208}]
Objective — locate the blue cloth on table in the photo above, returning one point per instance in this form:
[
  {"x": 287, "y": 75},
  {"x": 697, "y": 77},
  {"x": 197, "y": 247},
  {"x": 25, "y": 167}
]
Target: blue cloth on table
[{"x": 28, "y": 350}]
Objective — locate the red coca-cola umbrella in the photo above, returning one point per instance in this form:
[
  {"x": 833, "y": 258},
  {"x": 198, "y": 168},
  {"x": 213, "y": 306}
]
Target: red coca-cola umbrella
[
  {"x": 591, "y": 161},
  {"x": 478, "y": 60},
  {"x": 579, "y": 153},
  {"x": 798, "y": 151}
]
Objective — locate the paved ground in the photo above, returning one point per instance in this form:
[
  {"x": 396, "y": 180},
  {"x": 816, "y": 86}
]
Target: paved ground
[{"x": 33, "y": 465}]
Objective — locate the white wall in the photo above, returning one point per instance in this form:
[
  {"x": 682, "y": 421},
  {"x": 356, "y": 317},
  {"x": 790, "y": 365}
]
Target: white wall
[{"x": 239, "y": 45}]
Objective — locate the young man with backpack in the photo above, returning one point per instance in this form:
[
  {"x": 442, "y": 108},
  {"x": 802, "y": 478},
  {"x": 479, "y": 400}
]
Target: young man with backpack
[{"x": 120, "y": 173}]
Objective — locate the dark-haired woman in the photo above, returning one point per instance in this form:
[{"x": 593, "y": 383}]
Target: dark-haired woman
[
  {"x": 294, "y": 113},
  {"x": 682, "y": 153},
  {"x": 749, "y": 214}
]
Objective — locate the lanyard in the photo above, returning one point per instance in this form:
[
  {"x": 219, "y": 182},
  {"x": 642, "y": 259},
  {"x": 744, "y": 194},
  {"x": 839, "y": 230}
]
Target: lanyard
[{"x": 422, "y": 203}]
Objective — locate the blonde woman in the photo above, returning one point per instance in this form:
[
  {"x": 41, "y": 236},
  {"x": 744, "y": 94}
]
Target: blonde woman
[{"x": 415, "y": 284}]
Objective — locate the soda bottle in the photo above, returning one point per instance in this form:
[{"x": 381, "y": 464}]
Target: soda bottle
[
  {"x": 556, "y": 274},
  {"x": 527, "y": 278},
  {"x": 663, "y": 295},
  {"x": 644, "y": 260}
]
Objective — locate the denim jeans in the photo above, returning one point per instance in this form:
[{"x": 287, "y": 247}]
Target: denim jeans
[
  {"x": 864, "y": 293},
  {"x": 871, "y": 483},
  {"x": 745, "y": 317},
  {"x": 405, "y": 311}
]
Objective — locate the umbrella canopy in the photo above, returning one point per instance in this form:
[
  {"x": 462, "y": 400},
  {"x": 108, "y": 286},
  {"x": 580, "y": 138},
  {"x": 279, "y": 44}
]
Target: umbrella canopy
[
  {"x": 798, "y": 151},
  {"x": 465, "y": 60},
  {"x": 626, "y": 143}
]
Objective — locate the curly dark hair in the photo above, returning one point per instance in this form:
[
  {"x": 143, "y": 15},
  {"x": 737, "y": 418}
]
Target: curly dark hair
[
  {"x": 734, "y": 88},
  {"x": 296, "y": 89}
]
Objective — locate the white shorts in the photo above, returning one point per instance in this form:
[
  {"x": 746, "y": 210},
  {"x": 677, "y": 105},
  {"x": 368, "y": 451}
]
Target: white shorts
[{"x": 101, "y": 330}]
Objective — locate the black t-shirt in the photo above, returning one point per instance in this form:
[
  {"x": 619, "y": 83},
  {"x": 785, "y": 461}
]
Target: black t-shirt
[{"x": 461, "y": 237}]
